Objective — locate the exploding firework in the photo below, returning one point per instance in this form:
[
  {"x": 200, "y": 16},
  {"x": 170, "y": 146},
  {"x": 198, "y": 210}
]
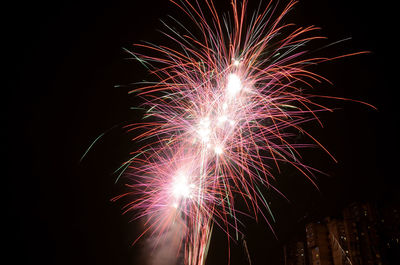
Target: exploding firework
[{"x": 227, "y": 101}]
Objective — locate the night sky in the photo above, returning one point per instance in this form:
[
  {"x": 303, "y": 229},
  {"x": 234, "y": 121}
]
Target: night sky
[{"x": 63, "y": 61}]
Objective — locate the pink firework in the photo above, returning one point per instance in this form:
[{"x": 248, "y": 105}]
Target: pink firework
[{"x": 222, "y": 114}]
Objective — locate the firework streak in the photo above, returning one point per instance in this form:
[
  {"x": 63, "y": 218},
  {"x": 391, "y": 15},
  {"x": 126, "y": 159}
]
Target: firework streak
[{"x": 222, "y": 116}]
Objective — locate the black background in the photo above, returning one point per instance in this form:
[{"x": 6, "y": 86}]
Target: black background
[{"x": 62, "y": 61}]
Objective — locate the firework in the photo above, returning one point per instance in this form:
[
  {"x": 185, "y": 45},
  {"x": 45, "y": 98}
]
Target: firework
[{"x": 221, "y": 117}]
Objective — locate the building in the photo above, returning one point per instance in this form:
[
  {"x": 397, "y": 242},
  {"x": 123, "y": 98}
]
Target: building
[
  {"x": 362, "y": 236},
  {"x": 360, "y": 224},
  {"x": 295, "y": 253},
  {"x": 318, "y": 245},
  {"x": 338, "y": 241},
  {"x": 389, "y": 224}
]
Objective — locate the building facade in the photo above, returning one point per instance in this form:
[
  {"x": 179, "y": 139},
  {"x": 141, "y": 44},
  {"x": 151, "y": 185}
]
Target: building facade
[
  {"x": 318, "y": 245},
  {"x": 295, "y": 253},
  {"x": 361, "y": 229}
]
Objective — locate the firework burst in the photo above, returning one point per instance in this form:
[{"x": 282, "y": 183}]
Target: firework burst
[{"x": 222, "y": 115}]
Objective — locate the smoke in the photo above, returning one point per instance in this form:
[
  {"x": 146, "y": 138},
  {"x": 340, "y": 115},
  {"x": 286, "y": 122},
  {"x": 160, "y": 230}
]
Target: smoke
[{"x": 165, "y": 248}]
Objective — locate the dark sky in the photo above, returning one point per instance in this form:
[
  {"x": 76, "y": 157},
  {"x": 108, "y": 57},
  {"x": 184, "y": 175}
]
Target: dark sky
[{"x": 62, "y": 62}]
